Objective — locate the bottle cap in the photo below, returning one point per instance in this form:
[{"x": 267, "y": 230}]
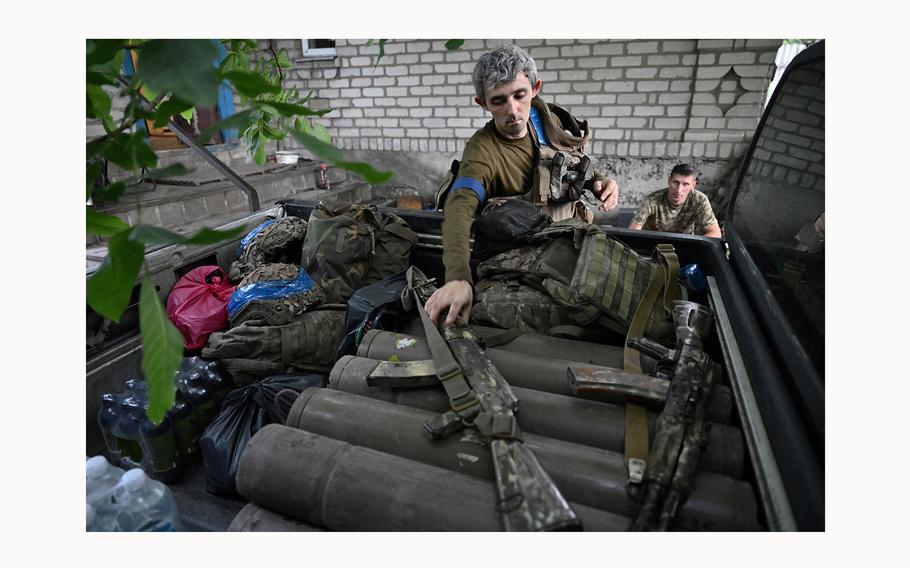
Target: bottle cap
[
  {"x": 133, "y": 479},
  {"x": 96, "y": 466}
]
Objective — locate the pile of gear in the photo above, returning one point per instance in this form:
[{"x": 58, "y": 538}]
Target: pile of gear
[
  {"x": 553, "y": 432},
  {"x": 287, "y": 314}
]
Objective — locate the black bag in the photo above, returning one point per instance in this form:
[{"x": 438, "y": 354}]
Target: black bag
[
  {"x": 244, "y": 412},
  {"x": 506, "y": 223},
  {"x": 377, "y": 306}
]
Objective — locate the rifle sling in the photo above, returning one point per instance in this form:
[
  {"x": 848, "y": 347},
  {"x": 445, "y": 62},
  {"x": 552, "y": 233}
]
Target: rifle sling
[
  {"x": 663, "y": 278},
  {"x": 636, "y": 447},
  {"x": 462, "y": 398}
]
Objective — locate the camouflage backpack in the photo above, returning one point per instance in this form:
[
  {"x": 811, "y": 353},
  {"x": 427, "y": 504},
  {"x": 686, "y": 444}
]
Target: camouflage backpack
[
  {"x": 600, "y": 280},
  {"x": 348, "y": 246},
  {"x": 276, "y": 240},
  {"x": 253, "y": 350}
]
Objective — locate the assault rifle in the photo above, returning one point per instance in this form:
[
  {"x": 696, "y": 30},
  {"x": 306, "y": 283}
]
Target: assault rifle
[
  {"x": 681, "y": 430},
  {"x": 480, "y": 398}
]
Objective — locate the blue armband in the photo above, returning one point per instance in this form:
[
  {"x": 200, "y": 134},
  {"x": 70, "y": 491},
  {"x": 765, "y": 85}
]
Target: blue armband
[{"x": 472, "y": 184}]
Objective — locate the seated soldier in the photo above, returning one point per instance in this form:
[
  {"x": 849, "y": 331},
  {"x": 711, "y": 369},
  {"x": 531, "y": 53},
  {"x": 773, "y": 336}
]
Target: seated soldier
[{"x": 678, "y": 209}]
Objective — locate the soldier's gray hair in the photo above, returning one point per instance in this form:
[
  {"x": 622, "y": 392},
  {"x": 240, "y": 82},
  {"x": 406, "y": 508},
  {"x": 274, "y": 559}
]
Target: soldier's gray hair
[{"x": 502, "y": 65}]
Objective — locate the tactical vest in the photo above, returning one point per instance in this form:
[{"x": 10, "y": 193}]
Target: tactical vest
[
  {"x": 561, "y": 167},
  {"x": 600, "y": 280}
]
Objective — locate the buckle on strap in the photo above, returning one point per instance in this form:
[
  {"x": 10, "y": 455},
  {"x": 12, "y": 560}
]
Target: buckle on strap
[
  {"x": 636, "y": 469},
  {"x": 460, "y": 394}
]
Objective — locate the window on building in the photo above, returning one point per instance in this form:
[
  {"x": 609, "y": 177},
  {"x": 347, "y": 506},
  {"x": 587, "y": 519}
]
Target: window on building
[{"x": 321, "y": 48}]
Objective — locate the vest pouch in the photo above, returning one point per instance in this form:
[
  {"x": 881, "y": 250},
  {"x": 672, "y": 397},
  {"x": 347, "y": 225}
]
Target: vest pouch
[
  {"x": 610, "y": 280},
  {"x": 510, "y": 304}
]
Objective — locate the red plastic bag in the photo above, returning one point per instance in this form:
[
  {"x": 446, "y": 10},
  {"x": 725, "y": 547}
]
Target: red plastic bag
[{"x": 197, "y": 304}]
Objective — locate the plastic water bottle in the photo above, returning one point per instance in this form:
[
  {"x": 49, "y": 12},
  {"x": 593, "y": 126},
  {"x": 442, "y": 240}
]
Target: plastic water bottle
[
  {"x": 100, "y": 479},
  {"x": 144, "y": 504}
]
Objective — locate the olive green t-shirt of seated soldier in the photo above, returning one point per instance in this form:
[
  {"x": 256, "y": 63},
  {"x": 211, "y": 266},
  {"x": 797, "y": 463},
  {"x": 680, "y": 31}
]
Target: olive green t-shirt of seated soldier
[
  {"x": 692, "y": 217},
  {"x": 505, "y": 168}
]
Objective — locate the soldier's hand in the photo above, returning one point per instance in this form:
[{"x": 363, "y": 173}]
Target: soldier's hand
[
  {"x": 457, "y": 296},
  {"x": 608, "y": 193}
]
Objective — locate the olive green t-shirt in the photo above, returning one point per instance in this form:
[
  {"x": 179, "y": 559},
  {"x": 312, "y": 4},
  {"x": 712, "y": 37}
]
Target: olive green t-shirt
[{"x": 504, "y": 168}]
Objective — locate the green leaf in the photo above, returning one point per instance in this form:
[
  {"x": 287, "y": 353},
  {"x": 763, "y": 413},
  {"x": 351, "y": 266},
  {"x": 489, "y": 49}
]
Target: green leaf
[
  {"x": 100, "y": 51},
  {"x": 259, "y": 155},
  {"x": 99, "y": 78},
  {"x": 328, "y": 153},
  {"x": 251, "y": 84},
  {"x": 102, "y": 224},
  {"x": 108, "y": 290},
  {"x": 172, "y": 171},
  {"x": 183, "y": 67},
  {"x": 93, "y": 171},
  {"x": 271, "y": 133},
  {"x": 321, "y": 133},
  {"x": 98, "y": 102},
  {"x": 112, "y": 192},
  {"x": 454, "y": 44},
  {"x": 130, "y": 151},
  {"x": 283, "y": 60},
  {"x": 188, "y": 114},
  {"x": 169, "y": 108},
  {"x": 240, "y": 120},
  {"x": 151, "y": 235},
  {"x": 367, "y": 172},
  {"x": 381, "y": 52},
  {"x": 162, "y": 351},
  {"x": 290, "y": 109}
]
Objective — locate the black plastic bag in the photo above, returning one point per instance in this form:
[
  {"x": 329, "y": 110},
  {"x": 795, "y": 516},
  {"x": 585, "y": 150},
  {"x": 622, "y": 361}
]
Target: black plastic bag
[
  {"x": 244, "y": 412},
  {"x": 377, "y": 306}
]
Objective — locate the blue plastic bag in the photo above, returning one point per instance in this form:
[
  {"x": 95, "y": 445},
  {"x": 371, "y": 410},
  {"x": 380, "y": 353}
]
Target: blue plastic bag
[
  {"x": 249, "y": 236},
  {"x": 269, "y": 290}
]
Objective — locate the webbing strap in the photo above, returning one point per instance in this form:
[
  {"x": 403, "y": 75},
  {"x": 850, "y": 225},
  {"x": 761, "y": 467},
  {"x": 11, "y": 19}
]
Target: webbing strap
[
  {"x": 636, "y": 447},
  {"x": 287, "y": 340},
  {"x": 462, "y": 398},
  {"x": 665, "y": 265}
]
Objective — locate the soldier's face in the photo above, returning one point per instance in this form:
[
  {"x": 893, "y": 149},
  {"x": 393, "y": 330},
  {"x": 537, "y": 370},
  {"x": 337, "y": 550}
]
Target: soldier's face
[
  {"x": 678, "y": 189},
  {"x": 510, "y": 105}
]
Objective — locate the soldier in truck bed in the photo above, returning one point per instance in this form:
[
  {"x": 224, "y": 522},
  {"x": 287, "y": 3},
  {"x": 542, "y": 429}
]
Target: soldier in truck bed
[
  {"x": 680, "y": 208},
  {"x": 513, "y": 155}
]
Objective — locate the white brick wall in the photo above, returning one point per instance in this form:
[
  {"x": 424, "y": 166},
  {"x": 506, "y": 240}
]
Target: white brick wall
[{"x": 659, "y": 91}]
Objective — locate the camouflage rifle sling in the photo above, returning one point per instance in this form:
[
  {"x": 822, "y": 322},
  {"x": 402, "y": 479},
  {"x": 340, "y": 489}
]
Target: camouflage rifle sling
[{"x": 528, "y": 500}]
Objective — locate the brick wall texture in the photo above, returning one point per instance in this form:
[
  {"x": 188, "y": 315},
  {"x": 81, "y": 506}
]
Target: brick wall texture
[{"x": 686, "y": 99}]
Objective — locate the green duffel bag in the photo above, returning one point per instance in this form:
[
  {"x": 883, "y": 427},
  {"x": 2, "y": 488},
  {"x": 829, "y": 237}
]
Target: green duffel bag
[
  {"x": 253, "y": 349},
  {"x": 349, "y": 245}
]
